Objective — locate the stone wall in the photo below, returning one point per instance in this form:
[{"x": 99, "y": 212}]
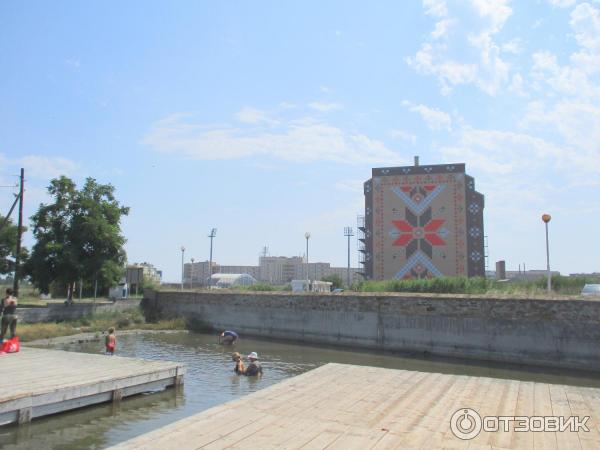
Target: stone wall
[
  {"x": 54, "y": 312},
  {"x": 559, "y": 333}
]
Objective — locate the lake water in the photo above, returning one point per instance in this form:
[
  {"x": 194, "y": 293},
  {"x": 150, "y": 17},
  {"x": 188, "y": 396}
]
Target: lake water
[{"x": 209, "y": 381}]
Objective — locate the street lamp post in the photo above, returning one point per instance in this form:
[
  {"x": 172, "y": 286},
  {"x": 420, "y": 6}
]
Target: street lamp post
[
  {"x": 307, "y": 236},
  {"x": 213, "y": 233},
  {"x": 546, "y": 218},
  {"x": 348, "y": 232},
  {"x": 182, "y": 253},
  {"x": 192, "y": 275}
]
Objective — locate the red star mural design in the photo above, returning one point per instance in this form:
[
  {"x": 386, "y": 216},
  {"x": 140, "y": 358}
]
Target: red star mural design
[{"x": 418, "y": 232}]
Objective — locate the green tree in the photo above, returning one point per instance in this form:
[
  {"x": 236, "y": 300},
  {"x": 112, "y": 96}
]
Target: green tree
[
  {"x": 335, "y": 279},
  {"x": 8, "y": 247},
  {"x": 78, "y": 236}
]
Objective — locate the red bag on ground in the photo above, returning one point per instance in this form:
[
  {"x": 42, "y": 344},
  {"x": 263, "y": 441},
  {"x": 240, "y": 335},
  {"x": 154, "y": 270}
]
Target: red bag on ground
[{"x": 10, "y": 346}]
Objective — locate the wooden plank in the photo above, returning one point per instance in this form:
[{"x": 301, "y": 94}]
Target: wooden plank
[
  {"x": 51, "y": 381},
  {"x": 525, "y": 407},
  {"x": 543, "y": 407},
  {"x": 345, "y": 407},
  {"x": 560, "y": 407}
]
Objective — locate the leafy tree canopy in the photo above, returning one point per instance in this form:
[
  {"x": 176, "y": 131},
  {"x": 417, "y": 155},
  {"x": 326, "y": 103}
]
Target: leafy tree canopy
[
  {"x": 78, "y": 235},
  {"x": 8, "y": 246},
  {"x": 335, "y": 279}
]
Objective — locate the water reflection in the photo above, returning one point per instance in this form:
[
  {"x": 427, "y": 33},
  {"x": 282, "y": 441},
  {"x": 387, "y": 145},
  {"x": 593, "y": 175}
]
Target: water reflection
[{"x": 210, "y": 381}]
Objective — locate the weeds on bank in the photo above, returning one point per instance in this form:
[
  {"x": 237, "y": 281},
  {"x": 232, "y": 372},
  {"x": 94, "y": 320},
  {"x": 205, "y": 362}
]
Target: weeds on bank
[
  {"x": 131, "y": 319},
  {"x": 462, "y": 285}
]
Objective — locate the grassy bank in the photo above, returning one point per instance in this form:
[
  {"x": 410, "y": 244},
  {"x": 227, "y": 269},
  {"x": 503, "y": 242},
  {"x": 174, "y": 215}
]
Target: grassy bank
[
  {"x": 131, "y": 319},
  {"x": 462, "y": 285}
]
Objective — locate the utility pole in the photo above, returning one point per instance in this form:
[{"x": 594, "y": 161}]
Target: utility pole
[
  {"x": 19, "y": 235},
  {"x": 307, "y": 236},
  {"x": 213, "y": 233},
  {"x": 182, "y": 271},
  {"x": 348, "y": 232},
  {"x": 192, "y": 275}
]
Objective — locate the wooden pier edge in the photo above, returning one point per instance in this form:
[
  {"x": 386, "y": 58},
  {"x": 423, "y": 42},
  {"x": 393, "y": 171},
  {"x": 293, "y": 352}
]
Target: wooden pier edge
[{"x": 51, "y": 381}]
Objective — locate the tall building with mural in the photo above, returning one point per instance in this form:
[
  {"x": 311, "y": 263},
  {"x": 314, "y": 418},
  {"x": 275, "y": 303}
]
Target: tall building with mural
[{"x": 420, "y": 222}]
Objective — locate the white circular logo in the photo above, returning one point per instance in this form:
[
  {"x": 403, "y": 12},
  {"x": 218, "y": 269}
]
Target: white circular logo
[{"x": 465, "y": 423}]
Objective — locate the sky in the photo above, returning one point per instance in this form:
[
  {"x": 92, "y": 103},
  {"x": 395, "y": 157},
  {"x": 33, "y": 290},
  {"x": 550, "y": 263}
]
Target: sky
[{"x": 263, "y": 119}]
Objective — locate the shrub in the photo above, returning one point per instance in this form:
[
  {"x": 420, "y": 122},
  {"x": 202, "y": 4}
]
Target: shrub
[{"x": 261, "y": 287}]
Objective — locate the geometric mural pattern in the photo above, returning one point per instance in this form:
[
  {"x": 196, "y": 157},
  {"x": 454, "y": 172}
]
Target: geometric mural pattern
[{"x": 423, "y": 221}]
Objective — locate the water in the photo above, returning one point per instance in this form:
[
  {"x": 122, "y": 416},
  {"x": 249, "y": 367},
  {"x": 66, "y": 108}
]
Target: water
[{"x": 210, "y": 381}]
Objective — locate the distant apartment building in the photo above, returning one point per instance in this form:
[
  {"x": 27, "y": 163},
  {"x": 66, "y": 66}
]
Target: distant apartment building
[
  {"x": 138, "y": 274},
  {"x": 530, "y": 275},
  {"x": 280, "y": 269},
  {"x": 253, "y": 271},
  {"x": 198, "y": 273},
  {"x": 342, "y": 272},
  {"x": 421, "y": 222},
  {"x": 276, "y": 270}
]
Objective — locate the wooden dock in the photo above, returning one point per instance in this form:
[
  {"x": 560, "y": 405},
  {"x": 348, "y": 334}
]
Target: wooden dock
[
  {"x": 38, "y": 382},
  {"x": 351, "y": 407}
]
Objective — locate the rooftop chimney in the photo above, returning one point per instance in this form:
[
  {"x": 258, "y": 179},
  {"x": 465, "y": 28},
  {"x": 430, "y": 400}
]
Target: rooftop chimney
[{"x": 416, "y": 161}]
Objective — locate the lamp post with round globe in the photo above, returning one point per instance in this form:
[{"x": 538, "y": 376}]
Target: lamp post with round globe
[{"x": 546, "y": 218}]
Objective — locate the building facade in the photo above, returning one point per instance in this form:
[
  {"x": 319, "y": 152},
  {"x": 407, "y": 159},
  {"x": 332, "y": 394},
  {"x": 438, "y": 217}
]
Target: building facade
[
  {"x": 276, "y": 270},
  {"x": 422, "y": 222},
  {"x": 281, "y": 269},
  {"x": 198, "y": 273},
  {"x": 138, "y": 274}
]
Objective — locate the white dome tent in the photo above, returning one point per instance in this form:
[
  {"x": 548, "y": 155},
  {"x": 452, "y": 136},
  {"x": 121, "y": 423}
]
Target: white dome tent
[{"x": 227, "y": 280}]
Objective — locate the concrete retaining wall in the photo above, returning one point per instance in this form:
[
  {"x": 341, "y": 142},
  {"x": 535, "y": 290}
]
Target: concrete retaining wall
[
  {"x": 559, "y": 333},
  {"x": 58, "y": 311}
]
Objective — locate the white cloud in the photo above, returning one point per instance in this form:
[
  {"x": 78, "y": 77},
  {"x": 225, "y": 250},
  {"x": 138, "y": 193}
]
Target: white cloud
[
  {"x": 585, "y": 21},
  {"x": 301, "y": 140},
  {"x": 562, "y": 3},
  {"x": 402, "y": 135},
  {"x": 514, "y": 46},
  {"x": 355, "y": 186},
  {"x": 449, "y": 61},
  {"x": 505, "y": 152},
  {"x": 254, "y": 116},
  {"x": 516, "y": 85},
  {"x": 74, "y": 63},
  {"x": 435, "y": 119},
  {"x": 493, "y": 70},
  {"x": 46, "y": 167},
  {"x": 430, "y": 61},
  {"x": 577, "y": 123},
  {"x": 496, "y": 12},
  {"x": 324, "y": 106},
  {"x": 287, "y": 105},
  {"x": 442, "y": 28},
  {"x": 437, "y": 8}
]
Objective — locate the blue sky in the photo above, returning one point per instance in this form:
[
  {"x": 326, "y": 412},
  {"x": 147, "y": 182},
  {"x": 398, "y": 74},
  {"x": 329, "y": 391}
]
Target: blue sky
[{"x": 263, "y": 119}]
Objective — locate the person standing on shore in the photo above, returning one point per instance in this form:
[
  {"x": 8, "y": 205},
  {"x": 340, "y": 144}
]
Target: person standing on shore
[
  {"x": 110, "y": 342},
  {"x": 8, "y": 308}
]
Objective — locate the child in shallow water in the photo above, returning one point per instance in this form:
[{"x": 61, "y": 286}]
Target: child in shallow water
[
  {"x": 239, "y": 369},
  {"x": 110, "y": 341}
]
